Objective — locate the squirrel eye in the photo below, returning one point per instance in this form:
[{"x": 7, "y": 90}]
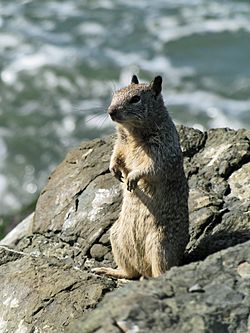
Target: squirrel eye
[{"x": 135, "y": 99}]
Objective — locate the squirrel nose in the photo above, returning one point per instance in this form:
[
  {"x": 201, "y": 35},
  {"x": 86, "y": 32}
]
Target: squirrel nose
[{"x": 112, "y": 111}]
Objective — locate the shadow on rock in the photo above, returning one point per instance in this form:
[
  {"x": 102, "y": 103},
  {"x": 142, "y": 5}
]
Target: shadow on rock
[{"x": 214, "y": 243}]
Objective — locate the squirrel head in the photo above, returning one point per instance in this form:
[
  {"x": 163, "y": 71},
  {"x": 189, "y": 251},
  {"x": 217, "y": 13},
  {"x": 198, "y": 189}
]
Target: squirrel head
[{"x": 137, "y": 104}]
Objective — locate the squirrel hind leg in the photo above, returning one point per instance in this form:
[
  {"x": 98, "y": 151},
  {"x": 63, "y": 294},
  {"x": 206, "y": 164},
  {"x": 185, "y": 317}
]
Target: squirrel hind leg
[
  {"x": 162, "y": 262},
  {"x": 117, "y": 273},
  {"x": 158, "y": 270},
  {"x": 159, "y": 261}
]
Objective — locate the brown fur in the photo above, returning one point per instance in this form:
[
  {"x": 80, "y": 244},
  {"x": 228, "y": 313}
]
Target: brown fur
[{"x": 151, "y": 233}]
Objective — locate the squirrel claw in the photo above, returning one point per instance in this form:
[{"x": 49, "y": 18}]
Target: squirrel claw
[
  {"x": 117, "y": 174},
  {"x": 131, "y": 184},
  {"x": 99, "y": 270}
]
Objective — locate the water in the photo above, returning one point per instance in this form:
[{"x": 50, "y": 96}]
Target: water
[{"x": 61, "y": 60}]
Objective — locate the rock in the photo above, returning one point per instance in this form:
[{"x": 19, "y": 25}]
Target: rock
[
  {"x": 47, "y": 272},
  {"x": 98, "y": 251},
  {"x": 39, "y": 289},
  {"x": 105, "y": 239},
  {"x": 22, "y": 230},
  {"x": 219, "y": 215},
  {"x": 209, "y": 296},
  {"x": 244, "y": 270}
]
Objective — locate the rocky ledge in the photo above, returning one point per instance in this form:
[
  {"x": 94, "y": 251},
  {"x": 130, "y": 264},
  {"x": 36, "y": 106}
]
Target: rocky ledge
[{"x": 45, "y": 262}]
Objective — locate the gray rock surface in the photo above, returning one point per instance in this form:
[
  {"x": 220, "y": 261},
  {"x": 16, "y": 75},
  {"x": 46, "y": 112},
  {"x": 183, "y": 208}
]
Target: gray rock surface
[
  {"x": 22, "y": 230},
  {"x": 46, "y": 274},
  {"x": 210, "y": 296}
]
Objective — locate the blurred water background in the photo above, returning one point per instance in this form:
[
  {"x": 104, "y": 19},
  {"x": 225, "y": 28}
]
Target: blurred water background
[{"x": 60, "y": 61}]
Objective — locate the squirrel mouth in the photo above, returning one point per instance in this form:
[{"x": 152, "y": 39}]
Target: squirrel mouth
[{"x": 115, "y": 118}]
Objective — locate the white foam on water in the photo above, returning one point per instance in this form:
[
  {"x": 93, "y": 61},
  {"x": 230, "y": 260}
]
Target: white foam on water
[
  {"x": 47, "y": 55},
  {"x": 7, "y": 200},
  {"x": 168, "y": 30},
  {"x": 100, "y": 89},
  {"x": 69, "y": 123},
  {"x": 3, "y": 185},
  {"x": 224, "y": 17},
  {"x": 29, "y": 181},
  {"x": 65, "y": 106},
  {"x": 63, "y": 8},
  {"x": 31, "y": 188},
  {"x": 8, "y": 40},
  {"x": 3, "y": 149},
  {"x": 139, "y": 4},
  {"x": 158, "y": 64},
  {"x": 223, "y": 112},
  {"x": 91, "y": 28},
  {"x": 205, "y": 100},
  {"x": 51, "y": 78}
]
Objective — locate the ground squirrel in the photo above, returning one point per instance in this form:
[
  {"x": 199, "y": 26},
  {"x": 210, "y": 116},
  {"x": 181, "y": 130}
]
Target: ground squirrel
[{"x": 151, "y": 232}]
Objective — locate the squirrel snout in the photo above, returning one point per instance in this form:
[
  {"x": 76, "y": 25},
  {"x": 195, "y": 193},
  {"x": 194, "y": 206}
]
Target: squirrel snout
[{"x": 113, "y": 112}]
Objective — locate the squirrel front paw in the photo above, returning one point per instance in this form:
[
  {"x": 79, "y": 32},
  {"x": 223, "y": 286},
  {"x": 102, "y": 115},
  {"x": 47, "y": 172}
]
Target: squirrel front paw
[
  {"x": 131, "y": 181},
  {"x": 116, "y": 172}
]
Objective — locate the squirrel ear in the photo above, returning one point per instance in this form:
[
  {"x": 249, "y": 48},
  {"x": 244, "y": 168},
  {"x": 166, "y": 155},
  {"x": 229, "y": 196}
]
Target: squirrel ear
[
  {"x": 156, "y": 84},
  {"x": 134, "y": 79}
]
